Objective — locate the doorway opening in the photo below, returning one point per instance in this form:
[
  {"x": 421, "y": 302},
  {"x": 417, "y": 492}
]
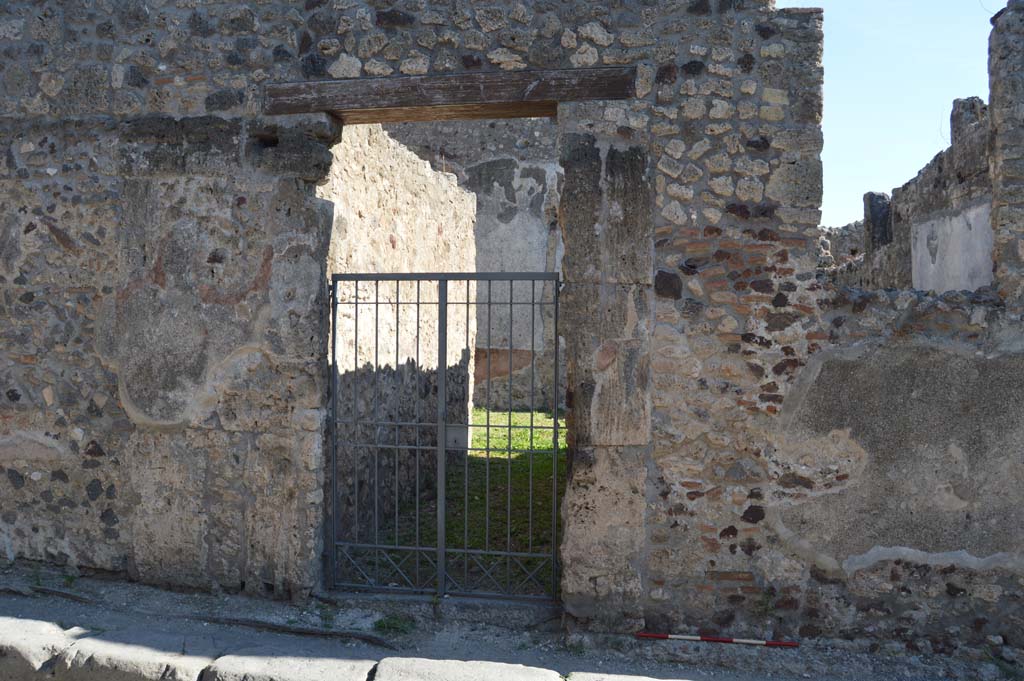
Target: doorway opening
[
  {"x": 437, "y": 487},
  {"x": 391, "y": 237}
]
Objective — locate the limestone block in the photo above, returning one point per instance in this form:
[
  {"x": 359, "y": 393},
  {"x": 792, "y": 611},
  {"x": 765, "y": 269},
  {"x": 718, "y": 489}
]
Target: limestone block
[
  {"x": 135, "y": 656},
  {"x": 607, "y": 192},
  {"x": 26, "y": 645},
  {"x": 797, "y": 184},
  {"x": 263, "y": 665},
  {"x": 608, "y": 355},
  {"x": 414, "y": 669},
  {"x": 604, "y": 538},
  {"x": 588, "y": 676}
]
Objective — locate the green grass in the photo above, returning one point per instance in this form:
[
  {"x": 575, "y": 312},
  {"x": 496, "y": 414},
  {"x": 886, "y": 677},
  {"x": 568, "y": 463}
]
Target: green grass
[
  {"x": 327, "y": 615},
  {"x": 395, "y": 624},
  {"x": 499, "y": 497},
  {"x": 479, "y": 507},
  {"x": 500, "y": 493},
  {"x": 504, "y": 468}
]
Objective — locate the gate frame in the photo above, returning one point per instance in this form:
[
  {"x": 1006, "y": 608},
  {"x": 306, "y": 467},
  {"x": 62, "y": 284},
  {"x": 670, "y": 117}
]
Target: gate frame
[{"x": 442, "y": 278}]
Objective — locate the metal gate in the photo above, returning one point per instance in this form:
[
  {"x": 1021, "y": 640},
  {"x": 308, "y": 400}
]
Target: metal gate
[{"x": 447, "y": 451}]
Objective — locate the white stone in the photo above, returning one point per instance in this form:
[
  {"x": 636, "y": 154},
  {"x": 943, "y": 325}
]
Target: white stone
[
  {"x": 669, "y": 166},
  {"x": 329, "y": 46},
  {"x": 285, "y": 667},
  {"x": 775, "y": 96},
  {"x": 681, "y": 192},
  {"x": 138, "y": 654},
  {"x": 953, "y": 252},
  {"x": 693, "y": 108},
  {"x": 749, "y": 189},
  {"x": 699, "y": 149},
  {"x": 645, "y": 74},
  {"x": 413, "y": 669},
  {"x": 596, "y": 33},
  {"x": 585, "y": 56},
  {"x": 675, "y": 213},
  {"x": 676, "y": 148},
  {"x": 719, "y": 163},
  {"x": 345, "y": 66},
  {"x": 11, "y": 30},
  {"x": 415, "y": 65},
  {"x": 376, "y": 67},
  {"x": 722, "y": 109},
  {"x": 26, "y": 645},
  {"x": 723, "y": 186},
  {"x": 506, "y": 59}
]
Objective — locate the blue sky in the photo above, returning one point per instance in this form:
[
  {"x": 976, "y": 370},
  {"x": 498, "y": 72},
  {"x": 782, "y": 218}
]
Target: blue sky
[{"x": 892, "y": 71}]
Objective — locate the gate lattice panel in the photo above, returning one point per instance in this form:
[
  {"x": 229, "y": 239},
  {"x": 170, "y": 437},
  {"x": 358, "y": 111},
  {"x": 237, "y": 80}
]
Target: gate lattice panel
[{"x": 447, "y": 448}]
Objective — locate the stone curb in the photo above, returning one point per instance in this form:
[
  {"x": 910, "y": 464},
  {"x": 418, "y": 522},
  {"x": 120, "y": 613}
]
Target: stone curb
[
  {"x": 586, "y": 676},
  {"x": 33, "y": 649},
  {"x": 415, "y": 669},
  {"x": 285, "y": 667}
]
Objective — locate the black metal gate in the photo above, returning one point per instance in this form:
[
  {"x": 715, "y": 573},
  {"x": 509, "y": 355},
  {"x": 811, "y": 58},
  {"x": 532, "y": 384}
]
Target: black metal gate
[{"x": 447, "y": 451}]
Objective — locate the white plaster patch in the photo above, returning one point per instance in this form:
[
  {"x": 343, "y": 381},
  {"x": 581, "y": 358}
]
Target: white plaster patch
[
  {"x": 954, "y": 252},
  {"x": 960, "y": 559}
]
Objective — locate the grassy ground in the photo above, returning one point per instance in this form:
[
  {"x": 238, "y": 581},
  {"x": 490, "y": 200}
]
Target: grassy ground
[
  {"x": 499, "y": 497},
  {"x": 510, "y": 468},
  {"x": 499, "y": 493}
]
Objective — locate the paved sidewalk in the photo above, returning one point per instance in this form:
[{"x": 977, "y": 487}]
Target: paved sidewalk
[{"x": 61, "y": 628}]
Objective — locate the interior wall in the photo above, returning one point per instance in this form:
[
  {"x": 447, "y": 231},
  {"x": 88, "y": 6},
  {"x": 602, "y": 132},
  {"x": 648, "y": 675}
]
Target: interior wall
[
  {"x": 393, "y": 213},
  {"x": 511, "y": 166}
]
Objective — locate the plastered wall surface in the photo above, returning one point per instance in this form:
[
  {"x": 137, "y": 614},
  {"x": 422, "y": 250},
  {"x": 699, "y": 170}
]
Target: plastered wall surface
[
  {"x": 954, "y": 252},
  {"x": 693, "y": 316}
]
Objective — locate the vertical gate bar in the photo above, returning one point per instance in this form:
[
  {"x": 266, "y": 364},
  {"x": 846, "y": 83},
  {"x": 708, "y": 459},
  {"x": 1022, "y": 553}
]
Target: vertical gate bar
[
  {"x": 442, "y": 402},
  {"x": 332, "y": 545},
  {"x": 417, "y": 372},
  {"x": 465, "y": 458},
  {"x": 355, "y": 411},
  {"x": 487, "y": 444},
  {"x": 398, "y": 391},
  {"x": 376, "y": 432},
  {"x": 508, "y": 463},
  {"x": 533, "y": 373},
  {"x": 555, "y": 455}
]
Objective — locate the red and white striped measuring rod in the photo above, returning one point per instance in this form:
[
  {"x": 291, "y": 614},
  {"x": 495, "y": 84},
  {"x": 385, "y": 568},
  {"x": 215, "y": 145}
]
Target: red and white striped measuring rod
[{"x": 717, "y": 639}]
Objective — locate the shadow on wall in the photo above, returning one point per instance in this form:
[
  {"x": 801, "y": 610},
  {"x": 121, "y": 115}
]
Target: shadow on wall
[{"x": 387, "y": 444}]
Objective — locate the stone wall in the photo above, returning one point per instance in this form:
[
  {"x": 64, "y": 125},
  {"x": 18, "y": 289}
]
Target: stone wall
[
  {"x": 191, "y": 367},
  {"x": 1006, "y": 69},
  {"x": 393, "y": 213},
  {"x": 935, "y": 232},
  {"x": 162, "y": 349},
  {"x": 921, "y": 462},
  {"x": 512, "y": 168}
]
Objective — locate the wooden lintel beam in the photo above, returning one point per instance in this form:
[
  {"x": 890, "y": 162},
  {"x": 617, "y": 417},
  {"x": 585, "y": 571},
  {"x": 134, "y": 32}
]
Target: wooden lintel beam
[
  {"x": 457, "y": 94},
  {"x": 453, "y": 112}
]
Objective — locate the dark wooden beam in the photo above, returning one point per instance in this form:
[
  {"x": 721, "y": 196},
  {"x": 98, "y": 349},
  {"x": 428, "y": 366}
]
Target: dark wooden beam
[
  {"x": 497, "y": 94},
  {"x": 454, "y": 112}
]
